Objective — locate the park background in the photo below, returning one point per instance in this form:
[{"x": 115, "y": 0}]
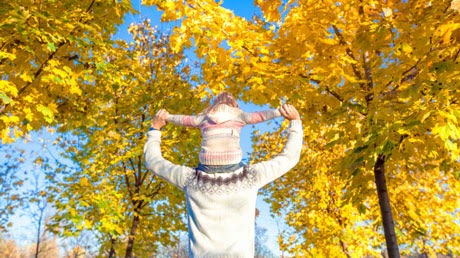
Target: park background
[{"x": 376, "y": 82}]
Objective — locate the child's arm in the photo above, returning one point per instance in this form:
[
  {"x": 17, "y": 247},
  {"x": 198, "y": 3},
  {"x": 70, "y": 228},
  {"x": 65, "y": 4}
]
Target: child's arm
[
  {"x": 190, "y": 121},
  {"x": 260, "y": 116},
  {"x": 154, "y": 161}
]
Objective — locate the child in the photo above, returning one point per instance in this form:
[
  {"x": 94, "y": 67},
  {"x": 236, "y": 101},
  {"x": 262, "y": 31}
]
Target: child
[{"x": 220, "y": 126}]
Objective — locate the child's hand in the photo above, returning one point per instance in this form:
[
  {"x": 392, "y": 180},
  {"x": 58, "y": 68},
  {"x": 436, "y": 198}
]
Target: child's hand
[
  {"x": 289, "y": 112},
  {"x": 159, "y": 120},
  {"x": 165, "y": 112}
]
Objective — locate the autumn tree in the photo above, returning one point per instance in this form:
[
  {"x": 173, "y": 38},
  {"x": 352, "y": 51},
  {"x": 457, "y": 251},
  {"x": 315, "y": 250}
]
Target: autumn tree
[
  {"x": 392, "y": 119},
  {"x": 10, "y": 183},
  {"x": 82, "y": 245},
  {"x": 46, "y": 55},
  {"x": 260, "y": 248},
  {"x": 376, "y": 81},
  {"x": 177, "y": 250},
  {"x": 60, "y": 67},
  {"x": 37, "y": 207},
  {"x": 109, "y": 190},
  {"x": 8, "y": 248}
]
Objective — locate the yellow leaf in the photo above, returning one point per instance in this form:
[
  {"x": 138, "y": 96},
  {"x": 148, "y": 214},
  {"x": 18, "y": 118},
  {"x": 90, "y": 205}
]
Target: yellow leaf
[
  {"x": 26, "y": 77},
  {"x": 74, "y": 89},
  {"x": 47, "y": 113},
  {"x": 406, "y": 48}
]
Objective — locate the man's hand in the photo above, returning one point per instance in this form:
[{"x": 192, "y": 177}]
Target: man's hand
[
  {"x": 289, "y": 112},
  {"x": 159, "y": 120}
]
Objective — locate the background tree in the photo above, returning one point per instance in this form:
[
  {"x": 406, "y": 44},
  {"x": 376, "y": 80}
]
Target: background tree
[
  {"x": 176, "y": 250},
  {"x": 10, "y": 183},
  {"x": 261, "y": 249},
  {"x": 8, "y": 248},
  {"x": 38, "y": 208},
  {"x": 80, "y": 246},
  {"x": 389, "y": 122},
  {"x": 110, "y": 191}
]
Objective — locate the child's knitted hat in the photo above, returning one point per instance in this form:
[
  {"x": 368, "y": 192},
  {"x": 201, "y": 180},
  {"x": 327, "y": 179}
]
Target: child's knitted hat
[{"x": 221, "y": 136}]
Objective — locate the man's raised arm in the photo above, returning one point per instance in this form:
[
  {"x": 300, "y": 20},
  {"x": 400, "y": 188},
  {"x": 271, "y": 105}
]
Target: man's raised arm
[
  {"x": 268, "y": 171},
  {"x": 154, "y": 161}
]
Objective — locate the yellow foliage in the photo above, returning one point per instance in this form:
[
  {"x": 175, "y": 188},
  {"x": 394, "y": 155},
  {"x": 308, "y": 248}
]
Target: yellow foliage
[
  {"x": 368, "y": 81},
  {"x": 45, "y": 58},
  {"x": 369, "y": 78}
]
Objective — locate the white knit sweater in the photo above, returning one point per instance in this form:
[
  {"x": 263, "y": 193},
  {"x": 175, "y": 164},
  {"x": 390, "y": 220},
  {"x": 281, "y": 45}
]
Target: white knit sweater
[{"x": 221, "y": 206}]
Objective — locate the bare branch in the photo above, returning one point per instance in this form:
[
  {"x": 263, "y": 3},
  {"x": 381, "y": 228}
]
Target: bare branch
[{"x": 333, "y": 93}]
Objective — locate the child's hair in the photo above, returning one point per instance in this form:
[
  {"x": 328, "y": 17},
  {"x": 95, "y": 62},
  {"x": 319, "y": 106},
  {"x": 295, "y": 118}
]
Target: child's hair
[{"x": 223, "y": 98}]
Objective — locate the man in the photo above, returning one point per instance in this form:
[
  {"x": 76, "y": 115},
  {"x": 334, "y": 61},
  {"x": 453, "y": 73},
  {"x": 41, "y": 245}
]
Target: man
[{"x": 220, "y": 206}]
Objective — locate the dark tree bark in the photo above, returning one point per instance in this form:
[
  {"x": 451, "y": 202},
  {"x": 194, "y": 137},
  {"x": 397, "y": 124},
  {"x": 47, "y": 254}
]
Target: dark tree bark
[
  {"x": 385, "y": 209},
  {"x": 133, "y": 231},
  {"x": 112, "y": 252}
]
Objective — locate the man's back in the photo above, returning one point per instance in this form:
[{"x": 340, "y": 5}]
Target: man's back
[{"x": 221, "y": 213}]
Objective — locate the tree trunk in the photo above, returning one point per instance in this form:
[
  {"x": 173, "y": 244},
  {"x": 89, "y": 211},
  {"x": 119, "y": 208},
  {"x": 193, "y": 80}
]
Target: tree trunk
[
  {"x": 37, "y": 246},
  {"x": 385, "y": 209},
  {"x": 39, "y": 227},
  {"x": 112, "y": 248},
  {"x": 132, "y": 234}
]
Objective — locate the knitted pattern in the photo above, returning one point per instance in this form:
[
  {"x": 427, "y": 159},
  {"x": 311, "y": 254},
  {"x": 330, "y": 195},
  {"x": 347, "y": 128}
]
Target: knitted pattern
[
  {"x": 223, "y": 183},
  {"x": 220, "y": 131}
]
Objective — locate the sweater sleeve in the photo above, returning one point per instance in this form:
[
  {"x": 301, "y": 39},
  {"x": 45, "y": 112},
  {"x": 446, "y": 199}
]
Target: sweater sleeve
[
  {"x": 190, "y": 121},
  {"x": 260, "y": 116},
  {"x": 270, "y": 170},
  {"x": 154, "y": 161}
]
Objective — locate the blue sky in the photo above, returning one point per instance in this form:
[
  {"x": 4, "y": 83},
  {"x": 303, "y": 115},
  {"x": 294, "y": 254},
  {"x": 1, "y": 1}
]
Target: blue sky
[{"x": 239, "y": 7}]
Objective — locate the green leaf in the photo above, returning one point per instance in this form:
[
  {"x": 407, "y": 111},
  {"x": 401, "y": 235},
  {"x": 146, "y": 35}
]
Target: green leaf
[
  {"x": 5, "y": 98},
  {"x": 57, "y": 79},
  {"x": 101, "y": 65},
  {"x": 359, "y": 149},
  {"x": 47, "y": 113},
  {"x": 388, "y": 146},
  {"x": 51, "y": 47}
]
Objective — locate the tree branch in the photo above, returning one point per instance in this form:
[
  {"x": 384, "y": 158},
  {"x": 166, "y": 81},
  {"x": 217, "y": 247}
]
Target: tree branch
[
  {"x": 126, "y": 177},
  {"x": 370, "y": 84},
  {"x": 333, "y": 93},
  {"x": 156, "y": 191},
  {"x": 348, "y": 51}
]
